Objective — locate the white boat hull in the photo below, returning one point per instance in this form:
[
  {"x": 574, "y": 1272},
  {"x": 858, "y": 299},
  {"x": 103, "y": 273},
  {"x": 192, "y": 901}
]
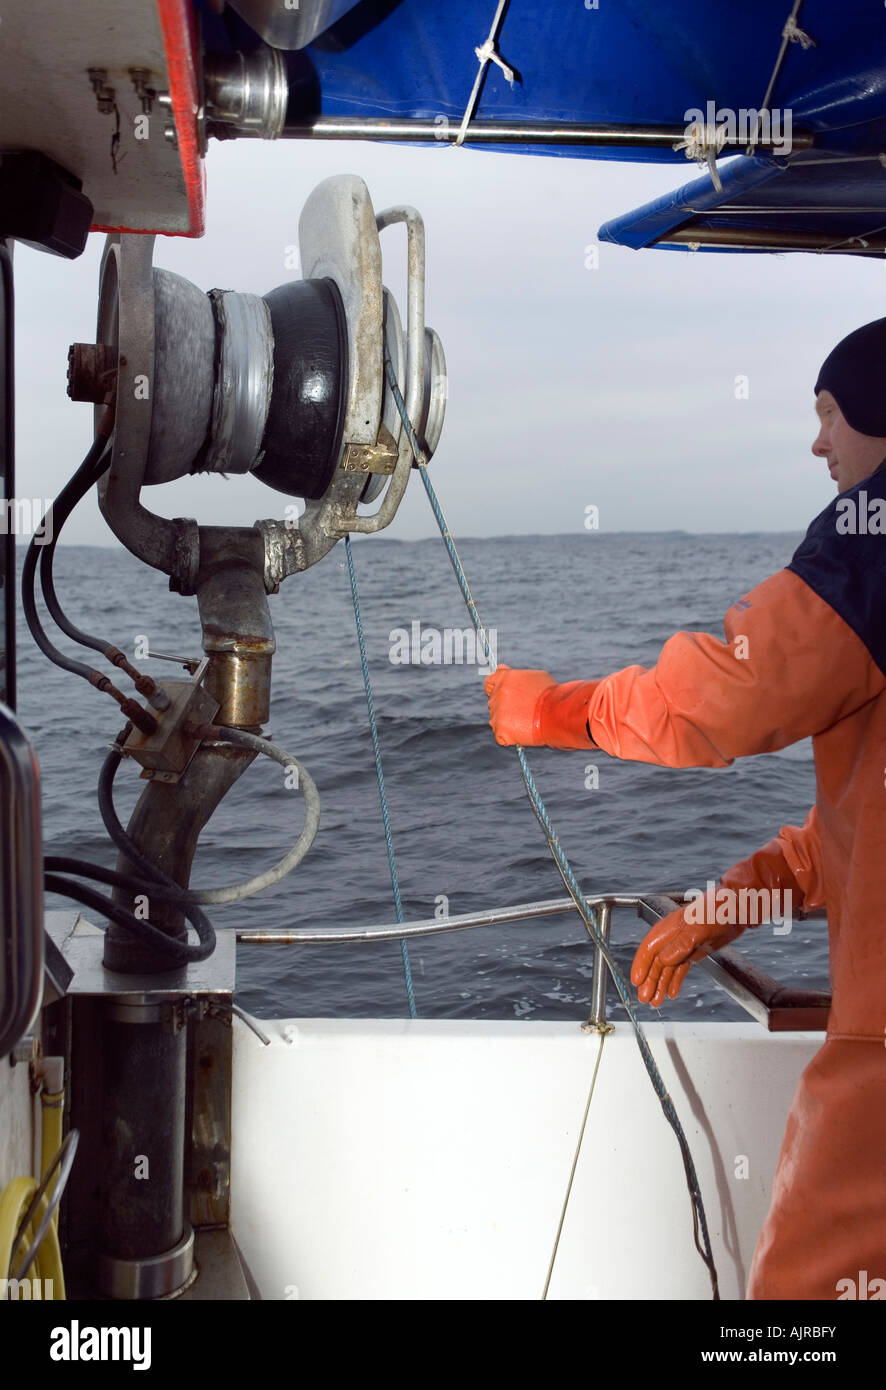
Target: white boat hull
[{"x": 430, "y": 1159}]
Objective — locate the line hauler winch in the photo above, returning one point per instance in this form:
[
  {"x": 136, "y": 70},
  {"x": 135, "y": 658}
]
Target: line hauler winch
[{"x": 290, "y": 386}]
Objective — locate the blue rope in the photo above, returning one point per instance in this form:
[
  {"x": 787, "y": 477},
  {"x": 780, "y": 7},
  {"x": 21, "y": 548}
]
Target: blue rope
[
  {"x": 389, "y": 839},
  {"x": 699, "y": 1220}
]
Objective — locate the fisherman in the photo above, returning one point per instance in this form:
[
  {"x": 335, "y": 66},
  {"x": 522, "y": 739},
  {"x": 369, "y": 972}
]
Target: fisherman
[{"x": 805, "y": 654}]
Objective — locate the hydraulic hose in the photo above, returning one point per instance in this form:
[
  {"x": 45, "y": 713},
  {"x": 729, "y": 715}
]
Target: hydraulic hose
[
  {"x": 234, "y": 892},
  {"x": 61, "y": 510},
  {"x": 81, "y": 868},
  {"x": 95, "y": 463},
  {"x": 145, "y": 684},
  {"x": 176, "y": 950},
  {"x": 91, "y": 469}
]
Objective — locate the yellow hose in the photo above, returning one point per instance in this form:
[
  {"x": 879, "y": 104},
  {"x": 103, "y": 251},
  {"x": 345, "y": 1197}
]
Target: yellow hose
[
  {"x": 14, "y": 1201},
  {"x": 47, "y": 1264}
]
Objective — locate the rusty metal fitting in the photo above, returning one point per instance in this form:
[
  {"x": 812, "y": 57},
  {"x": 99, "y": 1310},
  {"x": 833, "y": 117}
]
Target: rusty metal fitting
[
  {"x": 155, "y": 695},
  {"x": 92, "y": 372},
  {"x": 139, "y": 716},
  {"x": 117, "y": 658}
]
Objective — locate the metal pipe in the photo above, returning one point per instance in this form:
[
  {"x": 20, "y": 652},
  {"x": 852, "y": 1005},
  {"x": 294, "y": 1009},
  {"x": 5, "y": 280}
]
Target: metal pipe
[
  {"x": 550, "y": 907},
  {"x": 247, "y": 91},
  {"x": 773, "y": 241},
  {"x": 238, "y": 635},
  {"x": 445, "y": 130},
  {"x": 603, "y": 922},
  {"x": 760, "y": 996},
  {"x": 146, "y": 1247},
  {"x": 760, "y": 209},
  {"x": 142, "y": 1196}
]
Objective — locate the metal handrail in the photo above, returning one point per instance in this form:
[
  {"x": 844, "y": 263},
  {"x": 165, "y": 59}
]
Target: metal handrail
[{"x": 778, "y": 1008}]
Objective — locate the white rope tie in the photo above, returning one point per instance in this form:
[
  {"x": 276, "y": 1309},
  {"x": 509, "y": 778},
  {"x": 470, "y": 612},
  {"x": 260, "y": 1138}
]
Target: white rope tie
[
  {"x": 703, "y": 142},
  {"x": 794, "y": 34},
  {"x": 486, "y": 53}
]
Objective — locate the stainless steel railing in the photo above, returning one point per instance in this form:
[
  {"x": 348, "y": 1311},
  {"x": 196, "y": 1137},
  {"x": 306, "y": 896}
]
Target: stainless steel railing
[{"x": 778, "y": 1008}]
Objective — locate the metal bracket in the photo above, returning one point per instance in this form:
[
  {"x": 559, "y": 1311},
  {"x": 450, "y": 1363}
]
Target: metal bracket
[
  {"x": 166, "y": 753},
  {"x": 380, "y": 457}
]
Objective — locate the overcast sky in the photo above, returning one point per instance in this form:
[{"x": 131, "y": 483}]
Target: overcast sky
[{"x": 568, "y": 387}]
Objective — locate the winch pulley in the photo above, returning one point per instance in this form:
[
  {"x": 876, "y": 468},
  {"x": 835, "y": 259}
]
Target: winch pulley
[{"x": 289, "y": 386}]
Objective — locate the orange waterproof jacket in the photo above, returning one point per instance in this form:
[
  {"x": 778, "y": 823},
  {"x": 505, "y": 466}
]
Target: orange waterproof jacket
[
  {"x": 790, "y": 667},
  {"x": 805, "y": 654}
]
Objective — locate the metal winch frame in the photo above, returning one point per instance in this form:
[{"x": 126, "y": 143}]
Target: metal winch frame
[
  {"x": 193, "y": 380},
  {"x": 338, "y": 240}
]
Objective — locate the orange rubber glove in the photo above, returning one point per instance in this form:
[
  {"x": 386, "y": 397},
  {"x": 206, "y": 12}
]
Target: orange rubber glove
[
  {"x": 530, "y": 708},
  {"x": 666, "y": 952}
]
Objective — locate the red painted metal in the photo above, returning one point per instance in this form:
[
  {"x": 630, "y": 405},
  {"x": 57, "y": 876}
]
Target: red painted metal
[{"x": 180, "y": 42}]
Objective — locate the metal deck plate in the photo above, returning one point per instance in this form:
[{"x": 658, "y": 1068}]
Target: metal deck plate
[{"x": 82, "y": 943}]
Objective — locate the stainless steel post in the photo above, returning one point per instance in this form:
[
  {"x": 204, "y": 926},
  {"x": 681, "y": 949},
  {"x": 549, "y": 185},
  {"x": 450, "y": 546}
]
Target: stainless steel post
[{"x": 597, "y": 1020}]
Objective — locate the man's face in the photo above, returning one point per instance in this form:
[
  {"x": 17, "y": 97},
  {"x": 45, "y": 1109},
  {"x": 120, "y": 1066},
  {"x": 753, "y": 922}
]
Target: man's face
[{"x": 851, "y": 456}]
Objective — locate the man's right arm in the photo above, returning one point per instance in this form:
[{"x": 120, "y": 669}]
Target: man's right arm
[{"x": 790, "y": 667}]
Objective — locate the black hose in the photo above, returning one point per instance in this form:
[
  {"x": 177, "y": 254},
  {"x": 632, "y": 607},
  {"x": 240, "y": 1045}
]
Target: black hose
[
  {"x": 161, "y": 884},
  {"x": 91, "y": 469},
  {"x": 81, "y": 868},
  {"x": 180, "y": 951},
  {"x": 7, "y": 443},
  {"x": 50, "y": 597},
  {"x": 122, "y": 840}
]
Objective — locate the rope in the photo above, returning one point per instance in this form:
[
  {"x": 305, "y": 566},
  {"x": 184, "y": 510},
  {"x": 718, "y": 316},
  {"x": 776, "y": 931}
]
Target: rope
[
  {"x": 703, "y": 142},
  {"x": 486, "y": 53},
  {"x": 699, "y": 1220},
  {"x": 791, "y": 33},
  {"x": 795, "y": 34},
  {"x": 581, "y": 1135},
  {"x": 373, "y": 728}
]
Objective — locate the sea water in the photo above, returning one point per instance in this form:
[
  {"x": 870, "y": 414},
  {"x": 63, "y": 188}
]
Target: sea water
[{"x": 465, "y": 836}]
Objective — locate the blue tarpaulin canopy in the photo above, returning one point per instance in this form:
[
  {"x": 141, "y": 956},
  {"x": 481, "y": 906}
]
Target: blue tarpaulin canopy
[
  {"x": 639, "y": 73},
  {"x": 806, "y": 203}
]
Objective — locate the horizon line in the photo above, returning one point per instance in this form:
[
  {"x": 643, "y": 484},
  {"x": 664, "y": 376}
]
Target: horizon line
[{"x": 499, "y": 536}]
